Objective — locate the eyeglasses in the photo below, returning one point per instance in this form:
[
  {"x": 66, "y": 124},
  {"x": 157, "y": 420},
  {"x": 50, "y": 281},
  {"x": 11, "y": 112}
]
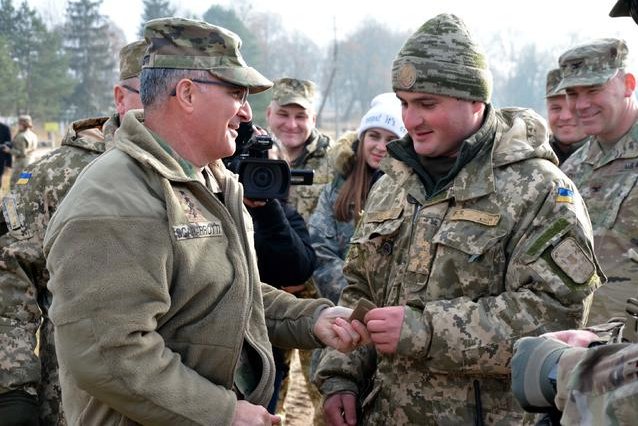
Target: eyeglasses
[
  {"x": 130, "y": 89},
  {"x": 241, "y": 95}
]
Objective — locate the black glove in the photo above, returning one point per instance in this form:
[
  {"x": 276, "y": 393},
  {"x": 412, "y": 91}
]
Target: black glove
[{"x": 18, "y": 408}]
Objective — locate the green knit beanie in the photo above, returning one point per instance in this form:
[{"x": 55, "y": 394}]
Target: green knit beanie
[{"x": 441, "y": 58}]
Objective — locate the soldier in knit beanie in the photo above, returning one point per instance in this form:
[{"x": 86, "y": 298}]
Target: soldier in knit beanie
[
  {"x": 441, "y": 58},
  {"x": 461, "y": 248}
]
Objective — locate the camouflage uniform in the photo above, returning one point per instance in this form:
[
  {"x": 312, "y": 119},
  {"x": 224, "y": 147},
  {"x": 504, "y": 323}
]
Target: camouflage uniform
[
  {"x": 24, "y": 298},
  {"x": 502, "y": 251},
  {"x": 24, "y": 143},
  {"x": 598, "y": 386},
  {"x": 607, "y": 182}
]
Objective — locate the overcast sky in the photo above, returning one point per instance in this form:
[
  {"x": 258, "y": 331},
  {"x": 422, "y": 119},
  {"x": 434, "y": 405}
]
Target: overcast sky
[{"x": 546, "y": 21}]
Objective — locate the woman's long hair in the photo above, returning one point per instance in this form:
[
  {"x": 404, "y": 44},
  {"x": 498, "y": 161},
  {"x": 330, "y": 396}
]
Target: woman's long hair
[{"x": 354, "y": 191}]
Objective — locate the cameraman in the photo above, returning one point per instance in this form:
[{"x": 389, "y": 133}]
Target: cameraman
[{"x": 285, "y": 257}]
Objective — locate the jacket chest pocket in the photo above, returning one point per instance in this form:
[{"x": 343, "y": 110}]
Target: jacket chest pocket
[
  {"x": 469, "y": 260},
  {"x": 377, "y": 240}
]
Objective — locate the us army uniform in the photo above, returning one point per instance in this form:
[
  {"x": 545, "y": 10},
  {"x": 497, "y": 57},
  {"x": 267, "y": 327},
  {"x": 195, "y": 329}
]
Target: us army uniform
[
  {"x": 606, "y": 178},
  {"x": 24, "y": 297},
  {"x": 503, "y": 250}
]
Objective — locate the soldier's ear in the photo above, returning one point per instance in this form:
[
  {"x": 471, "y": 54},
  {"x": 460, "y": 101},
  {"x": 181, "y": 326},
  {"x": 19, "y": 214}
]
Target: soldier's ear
[
  {"x": 630, "y": 84},
  {"x": 118, "y": 98}
]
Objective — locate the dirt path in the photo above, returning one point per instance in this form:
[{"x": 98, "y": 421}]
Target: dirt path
[{"x": 298, "y": 408}]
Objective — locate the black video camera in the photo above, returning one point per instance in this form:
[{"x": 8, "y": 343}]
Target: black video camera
[{"x": 262, "y": 177}]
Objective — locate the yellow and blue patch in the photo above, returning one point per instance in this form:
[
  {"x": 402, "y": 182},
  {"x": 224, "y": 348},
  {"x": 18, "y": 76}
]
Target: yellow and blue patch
[
  {"x": 564, "y": 195},
  {"x": 24, "y": 178}
]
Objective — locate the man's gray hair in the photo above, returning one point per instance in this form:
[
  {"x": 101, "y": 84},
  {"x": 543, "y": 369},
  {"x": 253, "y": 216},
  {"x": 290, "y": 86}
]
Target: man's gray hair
[{"x": 156, "y": 84}]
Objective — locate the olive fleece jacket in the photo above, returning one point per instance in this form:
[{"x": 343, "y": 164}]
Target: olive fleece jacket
[{"x": 155, "y": 290}]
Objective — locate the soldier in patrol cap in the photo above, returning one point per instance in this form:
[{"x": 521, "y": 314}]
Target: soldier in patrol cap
[
  {"x": 292, "y": 118},
  {"x": 29, "y": 385},
  {"x": 23, "y": 145},
  {"x": 600, "y": 91},
  {"x": 566, "y": 134},
  {"x": 472, "y": 239},
  {"x": 159, "y": 314}
]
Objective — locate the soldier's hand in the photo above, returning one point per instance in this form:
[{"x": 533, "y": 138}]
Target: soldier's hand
[
  {"x": 581, "y": 338},
  {"x": 334, "y": 330},
  {"x": 251, "y": 414},
  {"x": 384, "y": 326},
  {"x": 340, "y": 409}
]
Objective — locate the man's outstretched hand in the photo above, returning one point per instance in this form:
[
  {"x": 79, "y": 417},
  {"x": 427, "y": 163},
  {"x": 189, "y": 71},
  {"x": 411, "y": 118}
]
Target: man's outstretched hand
[{"x": 334, "y": 330}]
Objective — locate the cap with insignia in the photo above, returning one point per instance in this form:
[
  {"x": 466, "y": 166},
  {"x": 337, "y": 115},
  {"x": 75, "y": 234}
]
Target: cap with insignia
[
  {"x": 181, "y": 43},
  {"x": 441, "y": 58},
  {"x": 593, "y": 63},
  {"x": 553, "y": 80},
  {"x": 131, "y": 57},
  {"x": 288, "y": 91}
]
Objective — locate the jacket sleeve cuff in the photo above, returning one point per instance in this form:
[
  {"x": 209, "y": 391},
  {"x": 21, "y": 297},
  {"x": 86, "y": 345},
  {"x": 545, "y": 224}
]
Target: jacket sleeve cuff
[
  {"x": 566, "y": 365},
  {"x": 416, "y": 334},
  {"x": 338, "y": 384}
]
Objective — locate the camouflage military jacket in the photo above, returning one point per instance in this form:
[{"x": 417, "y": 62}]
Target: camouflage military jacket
[
  {"x": 314, "y": 157},
  {"x": 502, "y": 252},
  {"x": 598, "y": 386},
  {"x": 330, "y": 237},
  {"x": 608, "y": 184},
  {"x": 24, "y": 298}
]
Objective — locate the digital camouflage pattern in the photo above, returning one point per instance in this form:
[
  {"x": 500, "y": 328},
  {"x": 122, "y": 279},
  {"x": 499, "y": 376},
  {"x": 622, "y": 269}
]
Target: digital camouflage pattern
[
  {"x": 504, "y": 251},
  {"x": 599, "y": 386},
  {"x": 552, "y": 81},
  {"x": 331, "y": 237},
  {"x": 286, "y": 91},
  {"x": 24, "y": 143},
  {"x": 24, "y": 297},
  {"x": 452, "y": 65},
  {"x": 187, "y": 44},
  {"x": 592, "y": 63},
  {"x": 607, "y": 183},
  {"x": 131, "y": 57}
]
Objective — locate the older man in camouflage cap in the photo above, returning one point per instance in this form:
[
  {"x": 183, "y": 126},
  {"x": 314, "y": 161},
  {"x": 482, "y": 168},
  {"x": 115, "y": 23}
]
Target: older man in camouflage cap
[
  {"x": 159, "y": 314},
  {"x": 601, "y": 93},
  {"x": 472, "y": 239},
  {"x": 26, "y": 377},
  {"x": 566, "y": 134}
]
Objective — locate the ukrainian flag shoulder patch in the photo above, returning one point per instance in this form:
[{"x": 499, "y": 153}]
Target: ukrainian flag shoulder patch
[
  {"x": 564, "y": 195},
  {"x": 24, "y": 178}
]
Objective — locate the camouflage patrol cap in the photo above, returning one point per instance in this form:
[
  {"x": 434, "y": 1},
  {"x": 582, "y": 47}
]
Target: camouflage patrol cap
[
  {"x": 593, "y": 63},
  {"x": 621, "y": 8},
  {"x": 180, "y": 43},
  {"x": 553, "y": 80},
  {"x": 288, "y": 91},
  {"x": 131, "y": 57},
  {"x": 26, "y": 119},
  {"x": 441, "y": 58}
]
